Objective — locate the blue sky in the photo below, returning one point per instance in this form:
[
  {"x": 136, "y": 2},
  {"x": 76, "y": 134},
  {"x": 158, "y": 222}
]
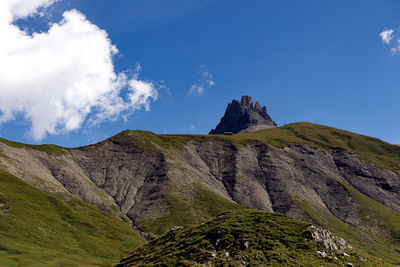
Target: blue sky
[{"x": 317, "y": 61}]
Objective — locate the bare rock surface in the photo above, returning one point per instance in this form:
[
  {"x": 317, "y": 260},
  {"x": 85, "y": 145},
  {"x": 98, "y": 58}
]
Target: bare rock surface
[
  {"x": 135, "y": 179},
  {"x": 328, "y": 240},
  {"x": 244, "y": 117},
  {"x": 377, "y": 183}
]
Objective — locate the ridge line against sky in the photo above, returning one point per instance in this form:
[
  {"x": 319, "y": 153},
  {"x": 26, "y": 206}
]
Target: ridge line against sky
[{"x": 74, "y": 73}]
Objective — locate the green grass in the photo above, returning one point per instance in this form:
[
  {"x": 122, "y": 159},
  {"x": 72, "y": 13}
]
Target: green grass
[
  {"x": 204, "y": 204},
  {"x": 38, "y": 229},
  {"x": 272, "y": 240},
  {"x": 377, "y": 217},
  {"x": 378, "y": 232},
  {"x": 381, "y": 225},
  {"x": 49, "y": 149}
]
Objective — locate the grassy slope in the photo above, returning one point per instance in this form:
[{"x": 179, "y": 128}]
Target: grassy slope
[
  {"x": 380, "y": 225},
  {"x": 39, "y": 229},
  {"x": 204, "y": 204},
  {"x": 49, "y": 149},
  {"x": 273, "y": 239},
  {"x": 377, "y": 233}
]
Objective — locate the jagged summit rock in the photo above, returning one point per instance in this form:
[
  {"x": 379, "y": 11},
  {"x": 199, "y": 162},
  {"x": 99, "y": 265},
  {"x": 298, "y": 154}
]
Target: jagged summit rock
[{"x": 244, "y": 117}]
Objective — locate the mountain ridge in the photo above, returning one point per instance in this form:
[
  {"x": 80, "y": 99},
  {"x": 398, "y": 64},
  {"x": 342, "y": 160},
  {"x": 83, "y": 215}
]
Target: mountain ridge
[{"x": 305, "y": 171}]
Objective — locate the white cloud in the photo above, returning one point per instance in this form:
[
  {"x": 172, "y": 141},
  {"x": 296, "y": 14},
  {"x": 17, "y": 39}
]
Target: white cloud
[
  {"x": 196, "y": 90},
  {"x": 16, "y": 9},
  {"x": 387, "y": 36},
  {"x": 205, "y": 81},
  {"x": 396, "y": 48},
  {"x": 60, "y": 78},
  {"x": 192, "y": 127}
]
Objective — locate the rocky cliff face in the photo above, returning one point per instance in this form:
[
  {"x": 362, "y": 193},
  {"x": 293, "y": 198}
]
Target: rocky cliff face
[
  {"x": 244, "y": 117},
  {"x": 121, "y": 172}
]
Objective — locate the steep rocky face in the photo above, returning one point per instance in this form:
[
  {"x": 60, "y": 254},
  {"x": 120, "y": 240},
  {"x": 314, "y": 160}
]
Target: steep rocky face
[
  {"x": 379, "y": 184},
  {"x": 136, "y": 180},
  {"x": 274, "y": 179},
  {"x": 244, "y": 117},
  {"x": 119, "y": 173},
  {"x": 124, "y": 174}
]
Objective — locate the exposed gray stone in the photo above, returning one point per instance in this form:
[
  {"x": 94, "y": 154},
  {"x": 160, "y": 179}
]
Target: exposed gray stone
[
  {"x": 120, "y": 174},
  {"x": 326, "y": 239},
  {"x": 244, "y": 117}
]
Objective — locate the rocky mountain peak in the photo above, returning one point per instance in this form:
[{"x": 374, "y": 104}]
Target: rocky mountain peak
[
  {"x": 246, "y": 101},
  {"x": 244, "y": 117}
]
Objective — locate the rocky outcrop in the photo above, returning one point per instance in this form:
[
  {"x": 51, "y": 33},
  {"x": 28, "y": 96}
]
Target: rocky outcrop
[
  {"x": 244, "y": 117},
  {"x": 329, "y": 241}
]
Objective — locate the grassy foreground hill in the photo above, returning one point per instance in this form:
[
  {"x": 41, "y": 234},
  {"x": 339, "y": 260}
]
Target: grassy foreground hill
[
  {"x": 247, "y": 238},
  {"x": 39, "y": 229}
]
